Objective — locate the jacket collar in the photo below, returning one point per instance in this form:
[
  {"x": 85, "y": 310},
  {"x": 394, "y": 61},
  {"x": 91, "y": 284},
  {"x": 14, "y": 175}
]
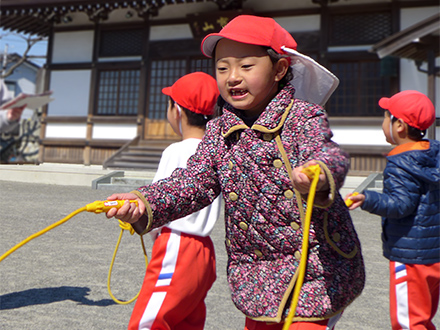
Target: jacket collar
[
  {"x": 270, "y": 120},
  {"x": 420, "y": 145}
]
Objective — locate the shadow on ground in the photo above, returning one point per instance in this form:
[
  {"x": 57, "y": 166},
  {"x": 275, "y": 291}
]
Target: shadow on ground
[{"x": 50, "y": 295}]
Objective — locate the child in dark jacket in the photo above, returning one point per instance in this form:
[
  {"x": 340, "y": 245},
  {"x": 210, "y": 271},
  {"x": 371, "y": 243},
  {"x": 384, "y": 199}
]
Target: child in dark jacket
[{"x": 410, "y": 210}]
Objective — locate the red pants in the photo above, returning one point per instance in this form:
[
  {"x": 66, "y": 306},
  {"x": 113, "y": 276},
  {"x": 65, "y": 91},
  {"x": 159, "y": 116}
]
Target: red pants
[
  {"x": 178, "y": 277},
  {"x": 328, "y": 324},
  {"x": 414, "y": 295}
]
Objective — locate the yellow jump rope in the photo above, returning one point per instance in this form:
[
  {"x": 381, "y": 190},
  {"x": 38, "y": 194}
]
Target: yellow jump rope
[
  {"x": 312, "y": 173},
  {"x": 103, "y": 206},
  {"x": 96, "y": 207}
]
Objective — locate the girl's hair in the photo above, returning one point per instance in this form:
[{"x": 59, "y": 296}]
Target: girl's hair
[
  {"x": 218, "y": 110},
  {"x": 194, "y": 119},
  {"x": 413, "y": 133},
  {"x": 275, "y": 57}
]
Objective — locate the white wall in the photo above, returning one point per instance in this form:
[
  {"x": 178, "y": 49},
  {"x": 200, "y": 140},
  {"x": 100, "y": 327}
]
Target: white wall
[
  {"x": 71, "y": 92},
  {"x": 114, "y": 131},
  {"x": 183, "y": 31},
  {"x": 300, "y": 23},
  {"x": 366, "y": 135},
  {"x": 410, "y": 77},
  {"x": 66, "y": 130},
  {"x": 179, "y": 10},
  {"x": 411, "y": 16},
  {"x": 170, "y": 32},
  {"x": 99, "y": 131},
  {"x": 73, "y": 47}
]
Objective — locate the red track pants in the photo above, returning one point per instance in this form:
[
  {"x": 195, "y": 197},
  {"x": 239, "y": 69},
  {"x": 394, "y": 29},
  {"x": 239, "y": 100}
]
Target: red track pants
[
  {"x": 414, "y": 295},
  {"x": 178, "y": 277}
]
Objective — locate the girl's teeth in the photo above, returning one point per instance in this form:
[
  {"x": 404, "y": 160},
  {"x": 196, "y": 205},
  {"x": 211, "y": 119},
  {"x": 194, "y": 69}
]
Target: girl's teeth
[{"x": 241, "y": 92}]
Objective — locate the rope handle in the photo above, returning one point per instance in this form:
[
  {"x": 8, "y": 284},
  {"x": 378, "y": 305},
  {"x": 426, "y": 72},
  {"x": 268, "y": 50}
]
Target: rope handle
[{"x": 349, "y": 202}]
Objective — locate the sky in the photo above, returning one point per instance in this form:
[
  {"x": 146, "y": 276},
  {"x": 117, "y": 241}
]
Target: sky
[{"x": 17, "y": 45}]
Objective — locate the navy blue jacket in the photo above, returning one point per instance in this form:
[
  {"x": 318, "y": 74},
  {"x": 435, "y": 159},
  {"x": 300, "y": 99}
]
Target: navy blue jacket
[{"x": 410, "y": 205}]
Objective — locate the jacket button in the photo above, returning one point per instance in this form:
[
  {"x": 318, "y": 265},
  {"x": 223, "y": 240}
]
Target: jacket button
[
  {"x": 294, "y": 225},
  {"x": 230, "y": 165},
  {"x": 233, "y": 196},
  {"x": 277, "y": 163},
  {"x": 297, "y": 255},
  {"x": 267, "y": 137},
  {"x": 228, "y": 242},
  {"x": 258, "y": 253},
  {"x": 336, "y": 237},
  {"x": 243, "y": 225},
  {"x": 288, "y": 194}
]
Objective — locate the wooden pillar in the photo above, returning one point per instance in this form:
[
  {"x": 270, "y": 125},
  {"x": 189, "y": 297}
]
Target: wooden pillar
[
  {"x": 87, "y": 152},
  {"x": 42, "y": 135},
  {"x": 431, "y": 88},
  {"x": 87, "y": 148},
  {"x": 46, "y": 86}
]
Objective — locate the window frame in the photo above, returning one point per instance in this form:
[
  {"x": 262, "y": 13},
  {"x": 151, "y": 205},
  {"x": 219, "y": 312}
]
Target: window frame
[
  {"x": 363, "y": 101},
  {"x": 158, "y": 111},
  {"x": 119, "y": 68}
]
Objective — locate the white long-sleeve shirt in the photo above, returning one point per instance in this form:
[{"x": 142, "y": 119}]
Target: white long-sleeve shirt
[{"x": 175, "y": 156}]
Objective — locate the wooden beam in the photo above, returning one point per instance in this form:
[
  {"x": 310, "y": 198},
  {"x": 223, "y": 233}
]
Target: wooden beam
[{"x": 407, "y": 37}]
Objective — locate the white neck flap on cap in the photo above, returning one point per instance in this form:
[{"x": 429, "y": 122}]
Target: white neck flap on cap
[{"x": 313, "y": 83}]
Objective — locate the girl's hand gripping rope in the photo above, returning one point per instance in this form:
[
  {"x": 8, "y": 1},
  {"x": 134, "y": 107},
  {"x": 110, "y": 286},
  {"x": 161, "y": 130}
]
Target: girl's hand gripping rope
[
  {"x": 302, "y": 178},
  {"x": 129, "y": 212},
  {"x": 302, "y": 181}
]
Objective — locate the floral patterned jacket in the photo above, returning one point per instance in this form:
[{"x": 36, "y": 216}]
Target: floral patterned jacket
[{"x": 264, "y": 214}]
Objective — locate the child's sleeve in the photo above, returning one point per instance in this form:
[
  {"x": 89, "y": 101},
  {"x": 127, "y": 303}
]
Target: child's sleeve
[
  {"x": 315, "y": 143},
  {"x": 400, "y": 198}
]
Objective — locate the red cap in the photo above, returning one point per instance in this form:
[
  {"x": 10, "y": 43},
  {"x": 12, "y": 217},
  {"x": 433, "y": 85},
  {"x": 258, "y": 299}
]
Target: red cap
[
  {"x": 197, "y": 92},
  {"x": 413, "y": 107},
  {"x": 254, "y": 30}
]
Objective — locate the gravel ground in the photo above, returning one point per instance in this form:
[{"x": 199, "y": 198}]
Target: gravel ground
[{"x": 59, "y": 280}]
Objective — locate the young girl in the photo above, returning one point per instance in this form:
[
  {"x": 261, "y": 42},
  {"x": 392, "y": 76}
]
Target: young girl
[{"x": 254, "y": 154}]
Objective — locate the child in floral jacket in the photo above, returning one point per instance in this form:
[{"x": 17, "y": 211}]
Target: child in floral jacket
[{"x": 254, "y": 154}]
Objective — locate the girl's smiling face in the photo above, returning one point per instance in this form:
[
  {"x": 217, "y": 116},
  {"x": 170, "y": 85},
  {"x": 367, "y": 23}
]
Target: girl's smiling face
[{"x": 246, "y": 77}]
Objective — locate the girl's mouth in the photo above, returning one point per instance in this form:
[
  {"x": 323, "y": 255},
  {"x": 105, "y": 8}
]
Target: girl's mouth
[{"x": 238, "y": 92}]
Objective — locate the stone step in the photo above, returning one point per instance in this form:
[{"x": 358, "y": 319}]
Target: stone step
[
  {"x": 138, "y": 158},
  {"x": 138, "y": 182},
  {"x": 132, "y": 165},
  {"x": 146, "y": 149}
]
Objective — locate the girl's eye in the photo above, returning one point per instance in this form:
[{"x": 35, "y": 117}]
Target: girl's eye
[
  {"x": 221, "y": 69},
  {"x": 247, "y": 66}
]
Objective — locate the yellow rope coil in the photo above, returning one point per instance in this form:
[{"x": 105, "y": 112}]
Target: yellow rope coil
[{"x": 124, "y": 226}]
